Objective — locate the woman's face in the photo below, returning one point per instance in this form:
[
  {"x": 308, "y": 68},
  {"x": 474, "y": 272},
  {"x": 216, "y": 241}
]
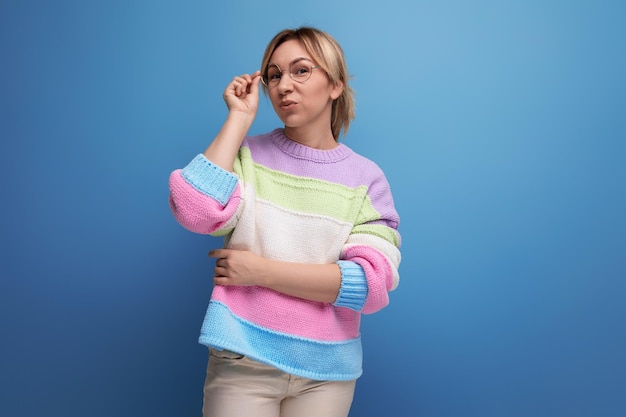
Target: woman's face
[{"x": 301, "y": 105}]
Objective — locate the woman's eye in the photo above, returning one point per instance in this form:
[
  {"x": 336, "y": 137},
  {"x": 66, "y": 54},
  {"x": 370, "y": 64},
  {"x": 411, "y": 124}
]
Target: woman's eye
[{"x": 301, "y": 70}]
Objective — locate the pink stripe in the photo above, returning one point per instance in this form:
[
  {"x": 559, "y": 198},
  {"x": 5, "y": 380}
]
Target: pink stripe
[
  {"x": 291, "y": 315},
  {"x": 378, "y": 272},
  {"x": 196, "y": 211}
]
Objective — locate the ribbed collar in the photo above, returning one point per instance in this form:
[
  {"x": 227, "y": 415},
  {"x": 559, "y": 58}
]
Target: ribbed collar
[{"x": 300, "y": 151}]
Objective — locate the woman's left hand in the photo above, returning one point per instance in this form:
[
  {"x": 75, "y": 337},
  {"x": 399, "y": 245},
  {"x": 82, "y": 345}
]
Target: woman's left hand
[{"x": 237, "y": 267}]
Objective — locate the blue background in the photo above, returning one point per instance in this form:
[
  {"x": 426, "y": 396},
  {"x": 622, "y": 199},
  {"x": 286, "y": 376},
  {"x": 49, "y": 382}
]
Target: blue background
[{"x": 501, "y": 126}]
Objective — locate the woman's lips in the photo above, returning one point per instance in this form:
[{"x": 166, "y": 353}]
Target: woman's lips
[{"x": 287, "y": 105}]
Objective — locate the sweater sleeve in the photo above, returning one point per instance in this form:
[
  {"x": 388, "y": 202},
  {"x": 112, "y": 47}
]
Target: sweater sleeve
[
  {"x": 371, "y": 256},
  {"x": 204, "y": 198}
]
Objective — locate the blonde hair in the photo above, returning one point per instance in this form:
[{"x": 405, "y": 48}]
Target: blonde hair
[{"x": 328, "y": 54}]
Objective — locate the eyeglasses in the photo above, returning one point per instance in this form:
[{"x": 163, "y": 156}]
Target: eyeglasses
[{"x": 300, "y": 71}]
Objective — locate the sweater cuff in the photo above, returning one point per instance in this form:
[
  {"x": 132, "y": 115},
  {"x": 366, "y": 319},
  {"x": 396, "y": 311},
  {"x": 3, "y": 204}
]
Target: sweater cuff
[
  {"x": 210, "y": 179},
  {"x": 353, "y": 290}
]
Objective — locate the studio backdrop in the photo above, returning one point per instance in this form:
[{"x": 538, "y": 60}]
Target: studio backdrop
[{"x": 500, "y": 127}]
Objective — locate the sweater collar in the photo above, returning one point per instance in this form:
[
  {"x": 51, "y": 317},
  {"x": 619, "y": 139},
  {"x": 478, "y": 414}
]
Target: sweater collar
[{"x": 300, "y": 151}]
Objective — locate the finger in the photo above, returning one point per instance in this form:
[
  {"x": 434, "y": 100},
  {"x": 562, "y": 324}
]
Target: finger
[
  {"x": 254, "y": 84},
  {"x": 243, "y": 82},
  {"x": 239, "y": 84},
  {"x": 237, "y": 87},
  {"x": 218, "y": 253},
  {"x": 221, "y": 281}
]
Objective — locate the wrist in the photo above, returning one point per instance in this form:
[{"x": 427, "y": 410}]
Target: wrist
[
  {"x": 241, "y": 118},
  {"x": 262, "y": 274}
]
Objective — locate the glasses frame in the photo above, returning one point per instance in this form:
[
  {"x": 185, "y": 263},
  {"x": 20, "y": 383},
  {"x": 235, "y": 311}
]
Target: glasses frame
[{"x": 281, "y": 71}]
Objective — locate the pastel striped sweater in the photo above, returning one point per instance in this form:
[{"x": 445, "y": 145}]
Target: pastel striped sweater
[{"x": 289, "y": 202}]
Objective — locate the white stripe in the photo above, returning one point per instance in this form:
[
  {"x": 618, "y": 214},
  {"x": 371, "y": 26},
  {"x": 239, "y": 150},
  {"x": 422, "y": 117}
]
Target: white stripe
[{"x": 277, "y": 233}]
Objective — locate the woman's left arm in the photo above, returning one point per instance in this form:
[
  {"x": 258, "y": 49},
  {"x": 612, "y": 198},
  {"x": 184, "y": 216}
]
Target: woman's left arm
[
  {"x": 315, "y": 282},
  {"x": 360, "y": 280}
]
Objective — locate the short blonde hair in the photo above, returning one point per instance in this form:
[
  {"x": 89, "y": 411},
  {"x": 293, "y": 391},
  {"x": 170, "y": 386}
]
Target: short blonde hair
[{"x": 328, "y": 54}]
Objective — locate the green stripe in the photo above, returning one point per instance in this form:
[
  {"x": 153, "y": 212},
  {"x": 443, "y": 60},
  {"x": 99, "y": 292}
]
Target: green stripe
[
  {"x": 379, "y": 230},
  {"x": 307, "y": 195},
  {"x": 222, "y": 232}
]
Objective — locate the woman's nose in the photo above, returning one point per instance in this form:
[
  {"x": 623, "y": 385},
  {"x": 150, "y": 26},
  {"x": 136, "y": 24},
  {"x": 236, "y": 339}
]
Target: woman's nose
[{"x": 285, "y": 84}]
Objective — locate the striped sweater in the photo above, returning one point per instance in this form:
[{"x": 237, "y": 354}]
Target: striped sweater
[{"x": 289, "y": 202}]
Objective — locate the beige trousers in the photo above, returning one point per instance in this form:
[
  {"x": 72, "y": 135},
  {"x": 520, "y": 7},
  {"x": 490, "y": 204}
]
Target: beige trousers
[{"x": 237, "y": 386}]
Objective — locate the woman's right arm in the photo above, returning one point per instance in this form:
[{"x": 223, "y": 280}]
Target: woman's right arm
[
  {"x": 205, "y": 195},
  {"x": 242, "y": 98}
]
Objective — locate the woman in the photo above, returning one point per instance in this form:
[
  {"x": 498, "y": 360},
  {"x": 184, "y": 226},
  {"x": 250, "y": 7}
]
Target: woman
[{"x": 310, "y": 232}]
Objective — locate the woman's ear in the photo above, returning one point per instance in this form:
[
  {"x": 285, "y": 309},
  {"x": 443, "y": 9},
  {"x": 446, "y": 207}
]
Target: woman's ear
[{"x": 337, "y": 90}]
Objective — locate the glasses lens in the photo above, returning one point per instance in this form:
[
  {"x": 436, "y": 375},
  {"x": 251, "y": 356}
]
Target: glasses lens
[
  {"x": 272, "y": 76},
  {"x": 300, "y": 70}
]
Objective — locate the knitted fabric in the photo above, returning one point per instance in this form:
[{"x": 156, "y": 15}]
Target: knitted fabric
[{"x": 289, "y": 202}]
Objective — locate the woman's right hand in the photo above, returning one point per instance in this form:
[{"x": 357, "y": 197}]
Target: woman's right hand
[{"x": 242, "y": 94}]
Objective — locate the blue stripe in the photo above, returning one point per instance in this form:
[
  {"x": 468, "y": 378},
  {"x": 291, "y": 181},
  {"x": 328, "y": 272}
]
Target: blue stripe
[
  {"x": 210, "y": 179},
  {"x": 353, "y": 290},
  {"x": 318, "y": 360}
]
